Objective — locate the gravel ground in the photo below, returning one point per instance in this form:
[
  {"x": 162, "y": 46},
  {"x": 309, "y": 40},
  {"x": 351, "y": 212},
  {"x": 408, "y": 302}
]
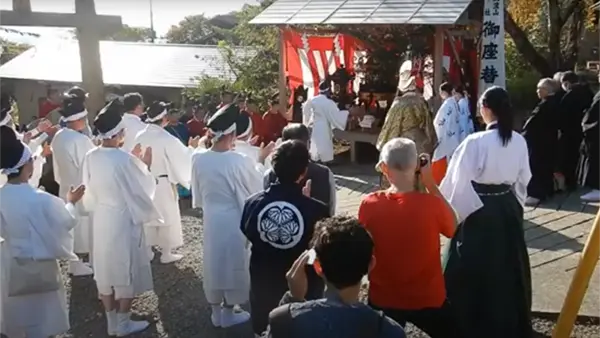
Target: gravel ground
[{"x": 177, "y": 308}]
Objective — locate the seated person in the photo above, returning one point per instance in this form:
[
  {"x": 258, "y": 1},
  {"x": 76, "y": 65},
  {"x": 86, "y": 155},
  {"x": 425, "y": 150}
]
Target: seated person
[
  {"x": 344, "y": 255},
  {"x": 323, "y": 186},
  {"x": 407, "y": 282},
  {"x": 279, "y": 223}
]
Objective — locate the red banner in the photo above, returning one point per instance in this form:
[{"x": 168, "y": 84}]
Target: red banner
[{"x": 309, "y": 59}]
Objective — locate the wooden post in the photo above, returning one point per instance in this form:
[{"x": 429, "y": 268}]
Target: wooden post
[
  {"x": 22, "y": 6},
  {"x": 89, "y": 54},
  {"x": 579, "y": 283},
  {"x": 438, "y": 65},
  {"x": 282, "y": 85}
]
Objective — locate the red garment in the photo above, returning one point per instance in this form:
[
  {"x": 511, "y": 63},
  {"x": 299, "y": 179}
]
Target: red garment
[
  {"x": 273, "y": 124},
  {"x": 257, "y": 125},
  {"x": 196, "y": 128},
  {"x": 46, "y": 107}
]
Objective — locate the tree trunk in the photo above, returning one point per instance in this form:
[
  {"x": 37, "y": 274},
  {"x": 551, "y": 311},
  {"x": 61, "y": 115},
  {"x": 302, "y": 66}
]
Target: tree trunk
[{"x": 524, "y": 46}]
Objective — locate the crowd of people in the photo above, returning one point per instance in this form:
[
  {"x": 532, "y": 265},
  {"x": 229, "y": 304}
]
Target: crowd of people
[{"x": 270, "y": 233}]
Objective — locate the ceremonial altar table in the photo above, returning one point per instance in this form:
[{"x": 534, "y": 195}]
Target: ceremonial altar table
[{"x": 355, "y": 136}]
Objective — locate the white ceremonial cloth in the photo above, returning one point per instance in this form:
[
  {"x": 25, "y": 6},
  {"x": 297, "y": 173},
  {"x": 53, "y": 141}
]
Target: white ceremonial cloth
[
  {"x": 446, "y": 124},
  {"x": 221, "y": 182},
  {"x": 482, "y": 158},
  {"x": 133, "y": 126},
  {"x": 119, "y": 191},
  {"x": 171, "y": 165},
  {"x": 68, "y": 151},
  {"x": 465, "y": 121},
  {"x": 35, "y": 225},
  {"x": 323, "y": 115},
  {"x": 252, "y": 152}
]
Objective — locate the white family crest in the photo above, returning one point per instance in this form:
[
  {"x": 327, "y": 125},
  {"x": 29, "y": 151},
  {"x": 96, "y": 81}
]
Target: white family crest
[{"x": 280, "y": 224}]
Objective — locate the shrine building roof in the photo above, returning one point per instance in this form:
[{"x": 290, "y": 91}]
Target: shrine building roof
[
  {"x": 354, "y": 12},
  {"x": 123, "y": 63}
]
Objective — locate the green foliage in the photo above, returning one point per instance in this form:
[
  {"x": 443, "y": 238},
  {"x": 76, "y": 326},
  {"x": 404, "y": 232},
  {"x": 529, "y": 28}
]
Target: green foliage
[
  {"x": 208, "y": 86},
  {"x": 199, "y": 30},
  {"x": 522, "y": 90},
  {"x": 516, "y": 65},
  {"x": 250, "y": 51},
  {"x": 132, "y": 34},
  {"x": 10, "y": 50}
]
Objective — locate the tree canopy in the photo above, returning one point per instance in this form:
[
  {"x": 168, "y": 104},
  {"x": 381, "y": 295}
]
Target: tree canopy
[
  {"x": 199, "y": 30},
  {"x": 10, "y": 50}
]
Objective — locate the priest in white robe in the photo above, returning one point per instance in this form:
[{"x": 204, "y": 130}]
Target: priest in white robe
[
  {"x": 447, "y": 130},
  {"x": 465, "y": 120},
  {"x": 69, "y": 147},
  {"x": 81, "y": 94},
  {"x": 36, "y": 228},
  {"x": 222, "y": 179},
  {"x": 35, "y": 140},
  {"x": 171, "y": 165},
  {"x": 119, "y": 190},
  {"x": 134, "y": 108},
  {"x": 322, "y": 114}
]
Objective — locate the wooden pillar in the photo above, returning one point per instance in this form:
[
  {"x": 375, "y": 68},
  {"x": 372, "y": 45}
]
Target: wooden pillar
[
  {"x": 23, "y": 6},
  {"x": 89, "y": 54},
  {"x": 438, "y": 65},
  {"x": 282, "y": 85},
  {"x": 579, "y": 283}
]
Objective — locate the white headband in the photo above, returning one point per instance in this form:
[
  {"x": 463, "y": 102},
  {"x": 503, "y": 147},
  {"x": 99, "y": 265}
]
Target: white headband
[
  {"x": 111, "y": 133},
  {"x": 247, "y": 131},
  {"x": 218, "y": 134},
  {"x": 6, "y": 120},
  {"x": 75, "y": 117},
  {"x": 158, "y": 117},
  {"x": 25, "y": 157}
]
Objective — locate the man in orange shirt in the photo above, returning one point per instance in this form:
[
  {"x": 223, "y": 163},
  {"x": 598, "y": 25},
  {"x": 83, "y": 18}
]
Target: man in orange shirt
[{"x": 407, "y": 282}]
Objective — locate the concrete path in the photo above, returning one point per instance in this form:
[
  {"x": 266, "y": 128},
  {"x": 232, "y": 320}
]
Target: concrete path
[{"x": 555, "y": 231}]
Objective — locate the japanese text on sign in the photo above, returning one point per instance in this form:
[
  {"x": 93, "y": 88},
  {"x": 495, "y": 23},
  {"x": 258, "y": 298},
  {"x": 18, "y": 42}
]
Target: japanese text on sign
[{"x": 492, "y": 69}]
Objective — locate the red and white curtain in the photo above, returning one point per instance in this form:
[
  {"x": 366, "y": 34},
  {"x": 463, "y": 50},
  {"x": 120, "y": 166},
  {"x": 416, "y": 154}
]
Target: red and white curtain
[{"x": 309, "y": 58}]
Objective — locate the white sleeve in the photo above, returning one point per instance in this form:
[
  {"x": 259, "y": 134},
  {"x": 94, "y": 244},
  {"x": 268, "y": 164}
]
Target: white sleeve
[
  {"x": 456, "y": 185},
  {"x": 179, "y": 162},
  {"x": 337, "y": 118},
  {"x": 520, "y": 187},
  {"x": 307, "y": 111},
  {"x": 196, "y": 183}
]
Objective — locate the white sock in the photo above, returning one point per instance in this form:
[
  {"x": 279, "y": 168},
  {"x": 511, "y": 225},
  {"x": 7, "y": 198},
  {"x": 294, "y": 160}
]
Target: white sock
[
  {"x": 216, "y": 309},
  {"x": 111, "y": 321},
  {"x": 123, "y": 318},
  {"x": 227, "y": 311}
]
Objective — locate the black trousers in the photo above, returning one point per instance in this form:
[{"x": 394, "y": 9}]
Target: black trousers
[{"x": 436, "y": 322}]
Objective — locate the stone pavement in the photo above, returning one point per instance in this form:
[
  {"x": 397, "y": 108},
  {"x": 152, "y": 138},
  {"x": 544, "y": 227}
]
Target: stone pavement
[{"x": 555, "y": 231}]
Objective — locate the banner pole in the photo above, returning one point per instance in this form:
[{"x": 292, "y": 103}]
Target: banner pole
[{"x": 579, "y": 283}]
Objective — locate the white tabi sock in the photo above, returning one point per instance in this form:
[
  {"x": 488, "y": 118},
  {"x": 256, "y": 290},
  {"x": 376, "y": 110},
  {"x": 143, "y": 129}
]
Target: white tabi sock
[
  {"x": 215, "y": 316},
  {"x": 126, "y": 326},
  {"x": 111, "y": 322},
  {"x": 230, "y": 318}
]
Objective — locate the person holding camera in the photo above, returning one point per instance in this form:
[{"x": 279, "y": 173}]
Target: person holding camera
[{"x": 407, "y": 282}]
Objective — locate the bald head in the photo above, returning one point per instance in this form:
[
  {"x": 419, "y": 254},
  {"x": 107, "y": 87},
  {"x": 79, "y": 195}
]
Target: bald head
[
  {"x": 546, "y": 87},
  {"x": 399, "y": 154},
  {"x": 295, "y": 131}
]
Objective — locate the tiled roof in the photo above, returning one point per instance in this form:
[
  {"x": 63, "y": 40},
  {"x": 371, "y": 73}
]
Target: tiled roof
[
  {"x": 344, "y": 12},
  {"x": 123, "y": 63}
]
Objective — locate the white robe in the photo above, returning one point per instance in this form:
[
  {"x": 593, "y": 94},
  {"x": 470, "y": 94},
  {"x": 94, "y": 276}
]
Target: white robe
[
  {"x": 253, "y": 152},
  {"x": 171, "y": 165},
  {"x": 36, "y": 146},
  {"x": 323, "y": 115},
  {"x": 481, "y": 158},
  {"x": 446, "y": 124},
  {"x": 465, "y": 121},
  {"x": 35, "y": 225},
  {"x": 133, "y": 126},
  {"x": 119, "y": 192},
  {"x": 221, "y": 182},
  {"x": 68, "y": 151}
]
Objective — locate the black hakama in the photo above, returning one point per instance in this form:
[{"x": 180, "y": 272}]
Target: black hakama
[{"x": 487, "y": 270}]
